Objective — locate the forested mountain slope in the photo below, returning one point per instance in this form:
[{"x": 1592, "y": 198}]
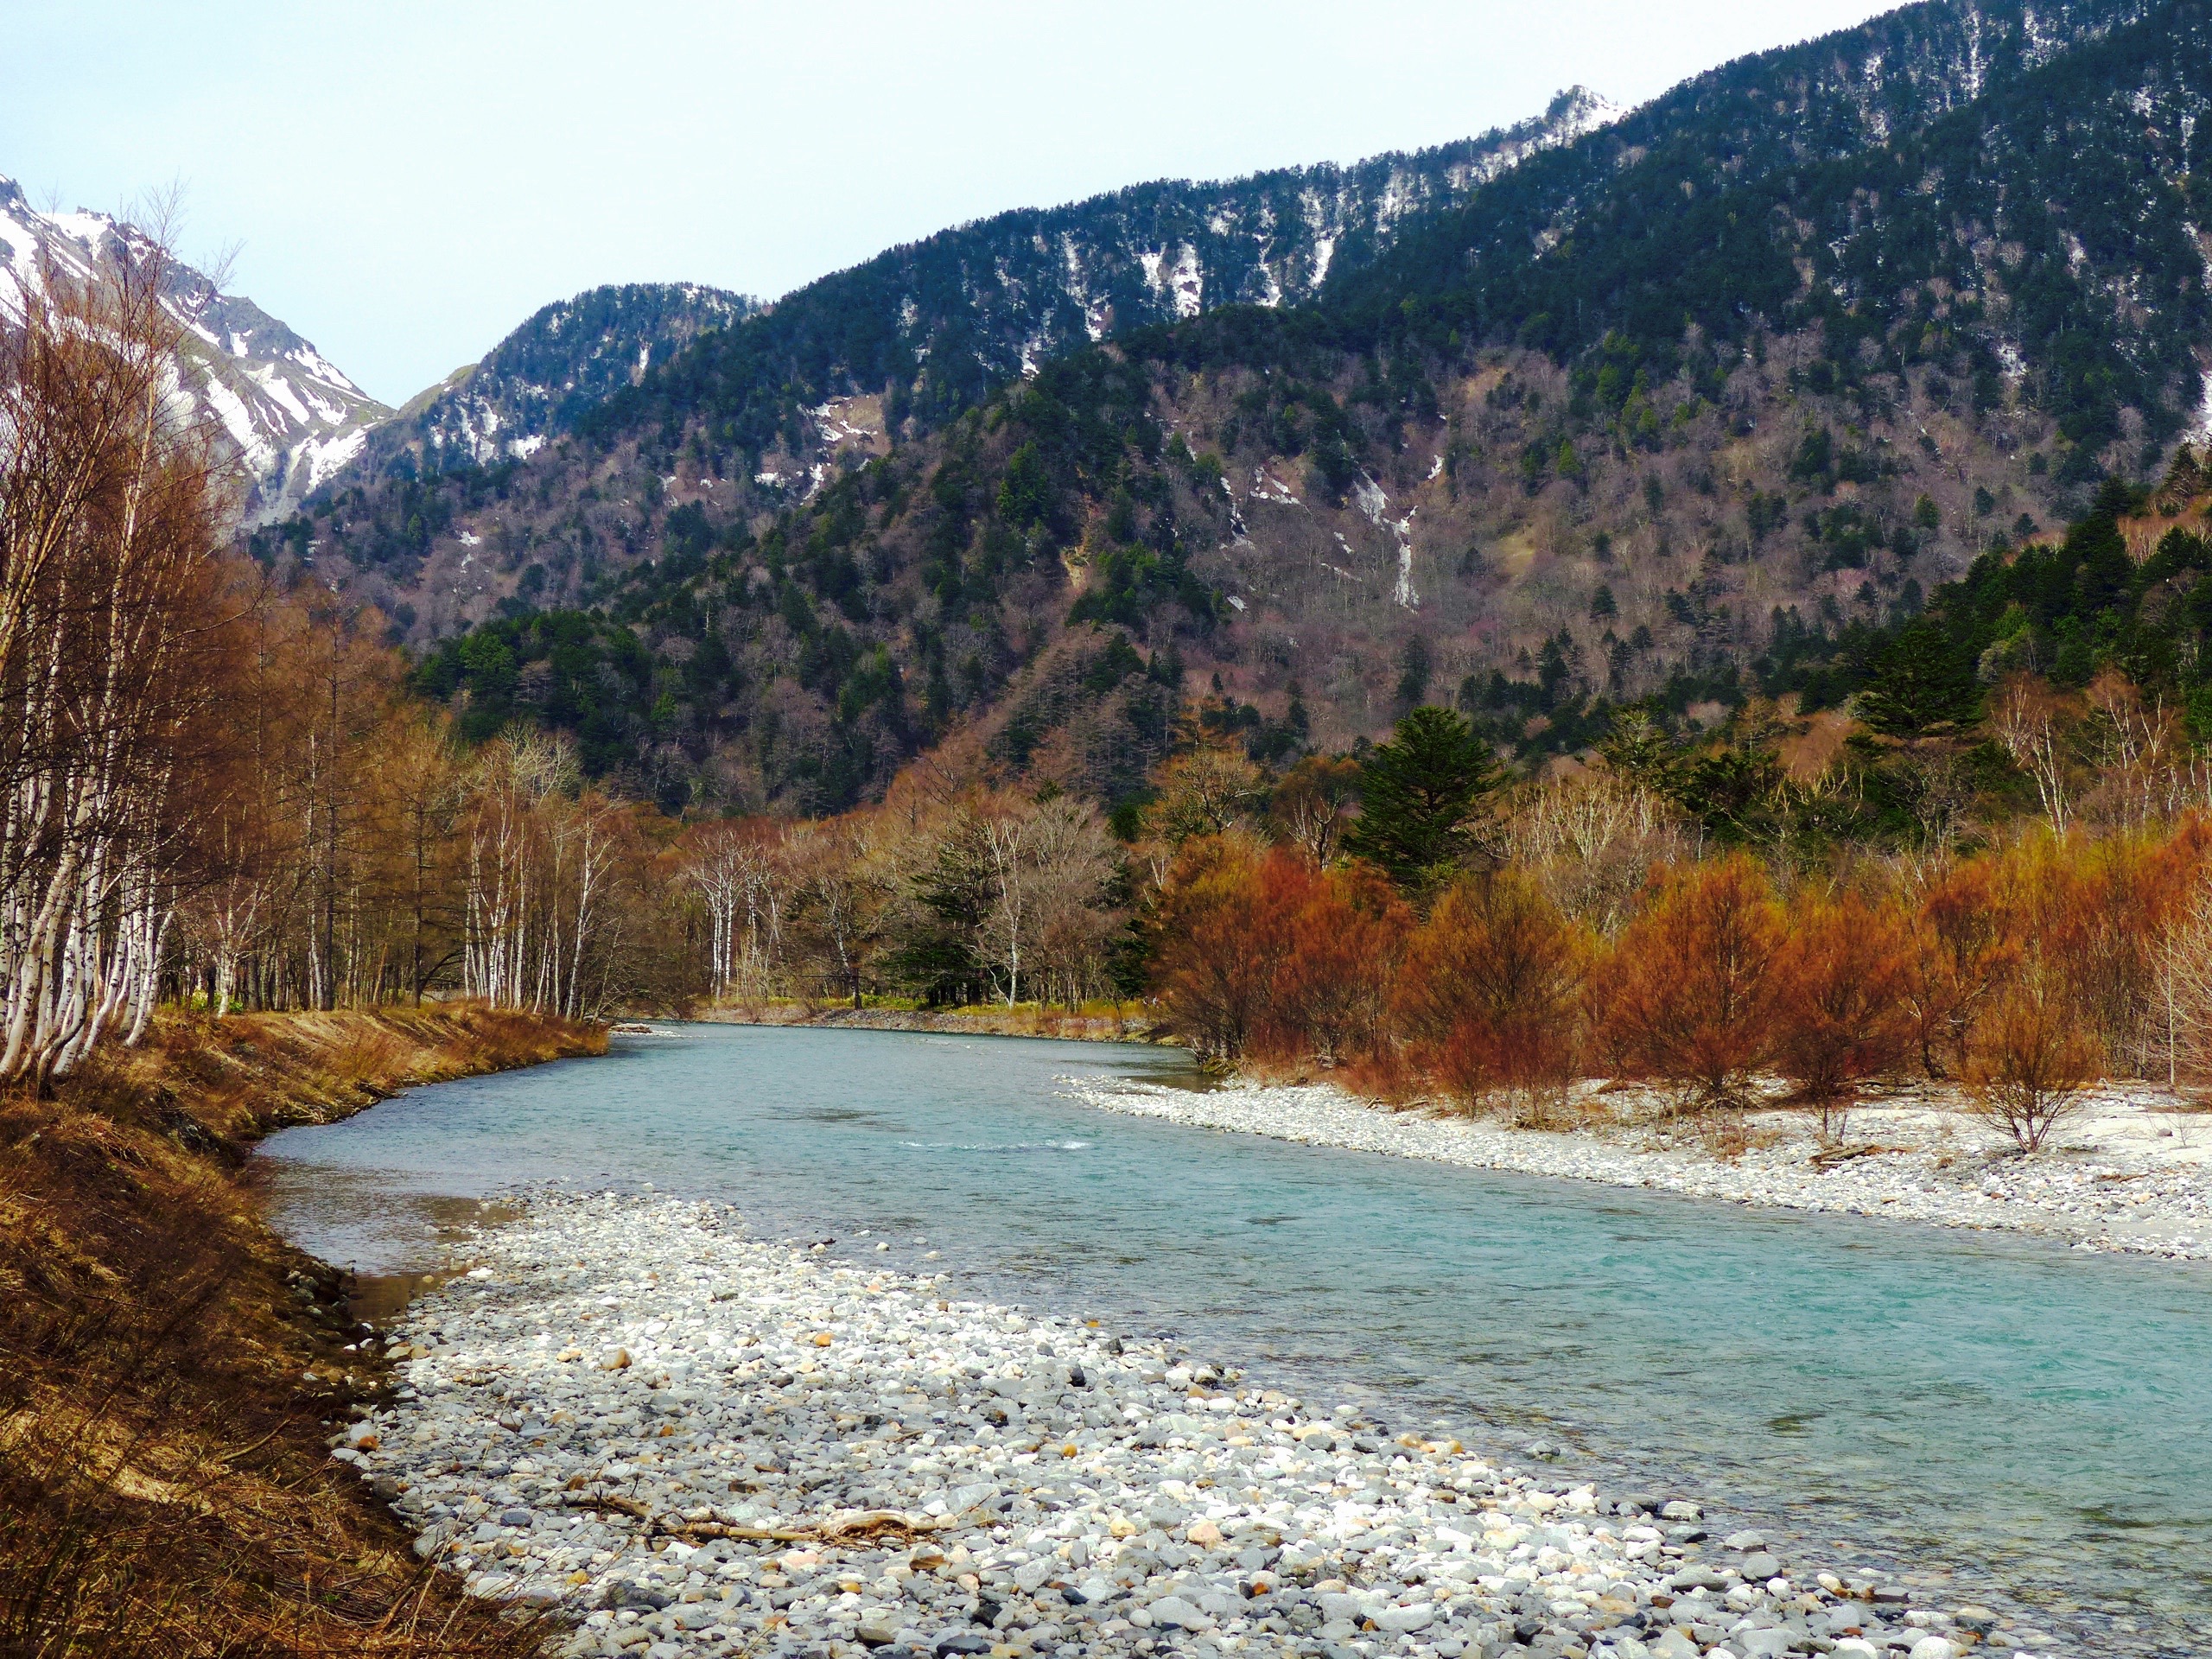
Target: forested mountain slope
[
  {"x": 565, "y": 359},
  {"x": 1658, "y": 413},
  {"x": 766, "y": 410}
]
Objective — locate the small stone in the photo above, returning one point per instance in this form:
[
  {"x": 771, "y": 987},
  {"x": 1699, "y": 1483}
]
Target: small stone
[
  {"x": 1698, "y": 1577},
  {"x": 1174, "y": 1610},
  {"x": 1981, "y": 1620},
  {"x": 1933, "y": 1647},
  {"x": 1680, "y": 1509},
  {"x": 1760, "y": 1565},
  {"x": 1762, "y": 1644},
  {"x": 1745, "y": 1541},
  {"x": 1030, "y": 1574},
  {"x": 1204, "y": 1534},
  {"x": 1400, "y": 1621}
]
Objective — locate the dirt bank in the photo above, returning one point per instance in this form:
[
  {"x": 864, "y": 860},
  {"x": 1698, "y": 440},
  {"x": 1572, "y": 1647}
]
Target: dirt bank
[{"x": 169, "y": 1367}]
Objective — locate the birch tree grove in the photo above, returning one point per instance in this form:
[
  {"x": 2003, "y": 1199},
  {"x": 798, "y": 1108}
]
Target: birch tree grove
[
  {"x": 112, "y": 645},
  {"x": 542, "y": 919},
  {"x": 218, "y": 793},
  {"x": 988, "y": 895}
]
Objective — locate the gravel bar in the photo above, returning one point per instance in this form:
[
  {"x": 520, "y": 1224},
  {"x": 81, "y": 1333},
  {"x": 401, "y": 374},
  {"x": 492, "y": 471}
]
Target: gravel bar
[
  {"x": 2115, "y": 1186},
  {"x": 702, "y": 1443}
]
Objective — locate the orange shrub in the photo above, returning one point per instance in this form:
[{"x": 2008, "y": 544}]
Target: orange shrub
[
  {"x": 1961, "y": 946},
  {"x": 1260, "y": 954},
  {"x": 1219, "y": 941},
  {"x": 1840, "y": 1015},
  {"x": 1348, "y": 929},
  {"x": 2032, "y": 1056},
  {"x": 2104, "y": 911},
  {"x": 1489, "y": 996},
  {"x": 1686, "y": 997}
]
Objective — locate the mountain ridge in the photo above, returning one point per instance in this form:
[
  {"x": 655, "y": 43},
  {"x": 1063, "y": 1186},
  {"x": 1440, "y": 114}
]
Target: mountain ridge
[
  {"x": 1663, "y": 412},
  {"x": 293, "y": 418},
  {"x": 807, "y": 409},
  {"x": 536, "y": 381}
]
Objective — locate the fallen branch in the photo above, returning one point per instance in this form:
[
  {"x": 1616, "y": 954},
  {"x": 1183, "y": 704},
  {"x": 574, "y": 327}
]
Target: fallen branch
[
  {"x": 847, "y": 1526},
  {"x": 1831, "y": 1155}
]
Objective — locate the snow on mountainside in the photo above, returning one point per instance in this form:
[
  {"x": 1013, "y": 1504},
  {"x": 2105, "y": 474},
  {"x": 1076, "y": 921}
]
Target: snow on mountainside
[
  {"x": 968, "y": 307},
  {"x": 1024, "y": 286},
  {"x": 563, "y": 360},
  {"x": 1273, "y": 238},
  {"x": 295, "y": 417}
]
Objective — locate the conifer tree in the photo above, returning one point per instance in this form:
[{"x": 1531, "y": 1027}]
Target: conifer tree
[
  {"x": 1418, "y": 794},
  {"x": 1922, "y": 682}
]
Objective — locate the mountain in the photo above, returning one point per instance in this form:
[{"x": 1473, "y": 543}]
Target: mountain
[
  {"x": 294, "y": 418},
  {"x": 908, "y": 340},
  {"x": 564, "y": 359},
  {"x": 840, "y": 368},
  {"x": 1670, "y": 411}
]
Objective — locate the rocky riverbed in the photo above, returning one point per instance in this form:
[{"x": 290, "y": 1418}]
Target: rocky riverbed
[
  {"x": 702, "y": 1443},
  {"x": 2130, "y": 1174}
]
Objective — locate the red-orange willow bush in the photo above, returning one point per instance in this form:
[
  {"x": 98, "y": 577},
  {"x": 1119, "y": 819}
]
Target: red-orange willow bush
[
  {"x": 1687, "y": 997},
  {"x": 1258, "y": 954},
  {"x": 1841, "y": 1013},
  {"x": 1960, "y": 946},
  {"x": 2032, "y": 1056},
  {"x": 1715, "y": 985},
  {"x": 1489, "y": 999},
  {"x": 1216, "y": 945},
  {"x": 1348, "y": 930}
]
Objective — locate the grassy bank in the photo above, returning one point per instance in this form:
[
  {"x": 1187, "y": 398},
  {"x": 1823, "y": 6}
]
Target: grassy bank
[
  {"x": 1094, "y": 1022},
  {"x": 168, "y": 1366}
]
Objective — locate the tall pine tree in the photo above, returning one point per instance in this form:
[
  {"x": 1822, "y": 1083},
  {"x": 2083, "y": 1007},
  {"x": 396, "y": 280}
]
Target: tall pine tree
[{"x": 1419, "y": 794}]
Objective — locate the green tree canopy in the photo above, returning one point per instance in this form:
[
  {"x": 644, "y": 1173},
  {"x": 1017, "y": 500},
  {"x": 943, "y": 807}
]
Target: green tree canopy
[
  {"x": 1418, "y": 793},
  {"x": 1924, "y": 681}
]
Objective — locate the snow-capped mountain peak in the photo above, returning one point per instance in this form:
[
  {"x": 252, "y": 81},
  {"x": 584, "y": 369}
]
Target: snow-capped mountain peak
[{"x": 294, "y": 415}]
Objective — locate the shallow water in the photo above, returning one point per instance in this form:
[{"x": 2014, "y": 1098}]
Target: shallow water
[{"x": 1911, "y": 1398}]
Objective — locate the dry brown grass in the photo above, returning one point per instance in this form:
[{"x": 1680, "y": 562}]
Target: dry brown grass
[{"x": 164, "y": 1485}]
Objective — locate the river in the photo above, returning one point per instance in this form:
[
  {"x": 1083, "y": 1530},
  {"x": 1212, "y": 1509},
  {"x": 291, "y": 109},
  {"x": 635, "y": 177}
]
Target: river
[{"x": 1983, "y": 1411}]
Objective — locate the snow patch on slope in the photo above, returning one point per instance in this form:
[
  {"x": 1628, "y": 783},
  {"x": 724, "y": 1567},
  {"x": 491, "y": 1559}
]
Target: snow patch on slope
[{"x": 283, "y": 407}]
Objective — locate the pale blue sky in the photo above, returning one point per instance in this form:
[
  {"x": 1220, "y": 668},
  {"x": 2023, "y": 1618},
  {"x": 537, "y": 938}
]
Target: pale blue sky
[{"x": 404, "y": 182}]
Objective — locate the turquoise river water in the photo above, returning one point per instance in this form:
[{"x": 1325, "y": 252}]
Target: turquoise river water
[{"x": 1994, "y": 1414}]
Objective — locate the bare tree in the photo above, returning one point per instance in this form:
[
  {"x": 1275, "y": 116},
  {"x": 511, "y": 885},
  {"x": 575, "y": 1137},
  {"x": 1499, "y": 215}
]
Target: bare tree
[
  {"x": 111, "y": 501},
  {"x": 2027, "y": 721}
]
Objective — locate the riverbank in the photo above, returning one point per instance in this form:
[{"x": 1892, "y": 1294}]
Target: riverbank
[
  {"x": 2132, "y": 1172},
  {"x": 1098, "y": 1023},
  {"x": 166, "y": 1365},
  {"x": 707, "y": 1444}
]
